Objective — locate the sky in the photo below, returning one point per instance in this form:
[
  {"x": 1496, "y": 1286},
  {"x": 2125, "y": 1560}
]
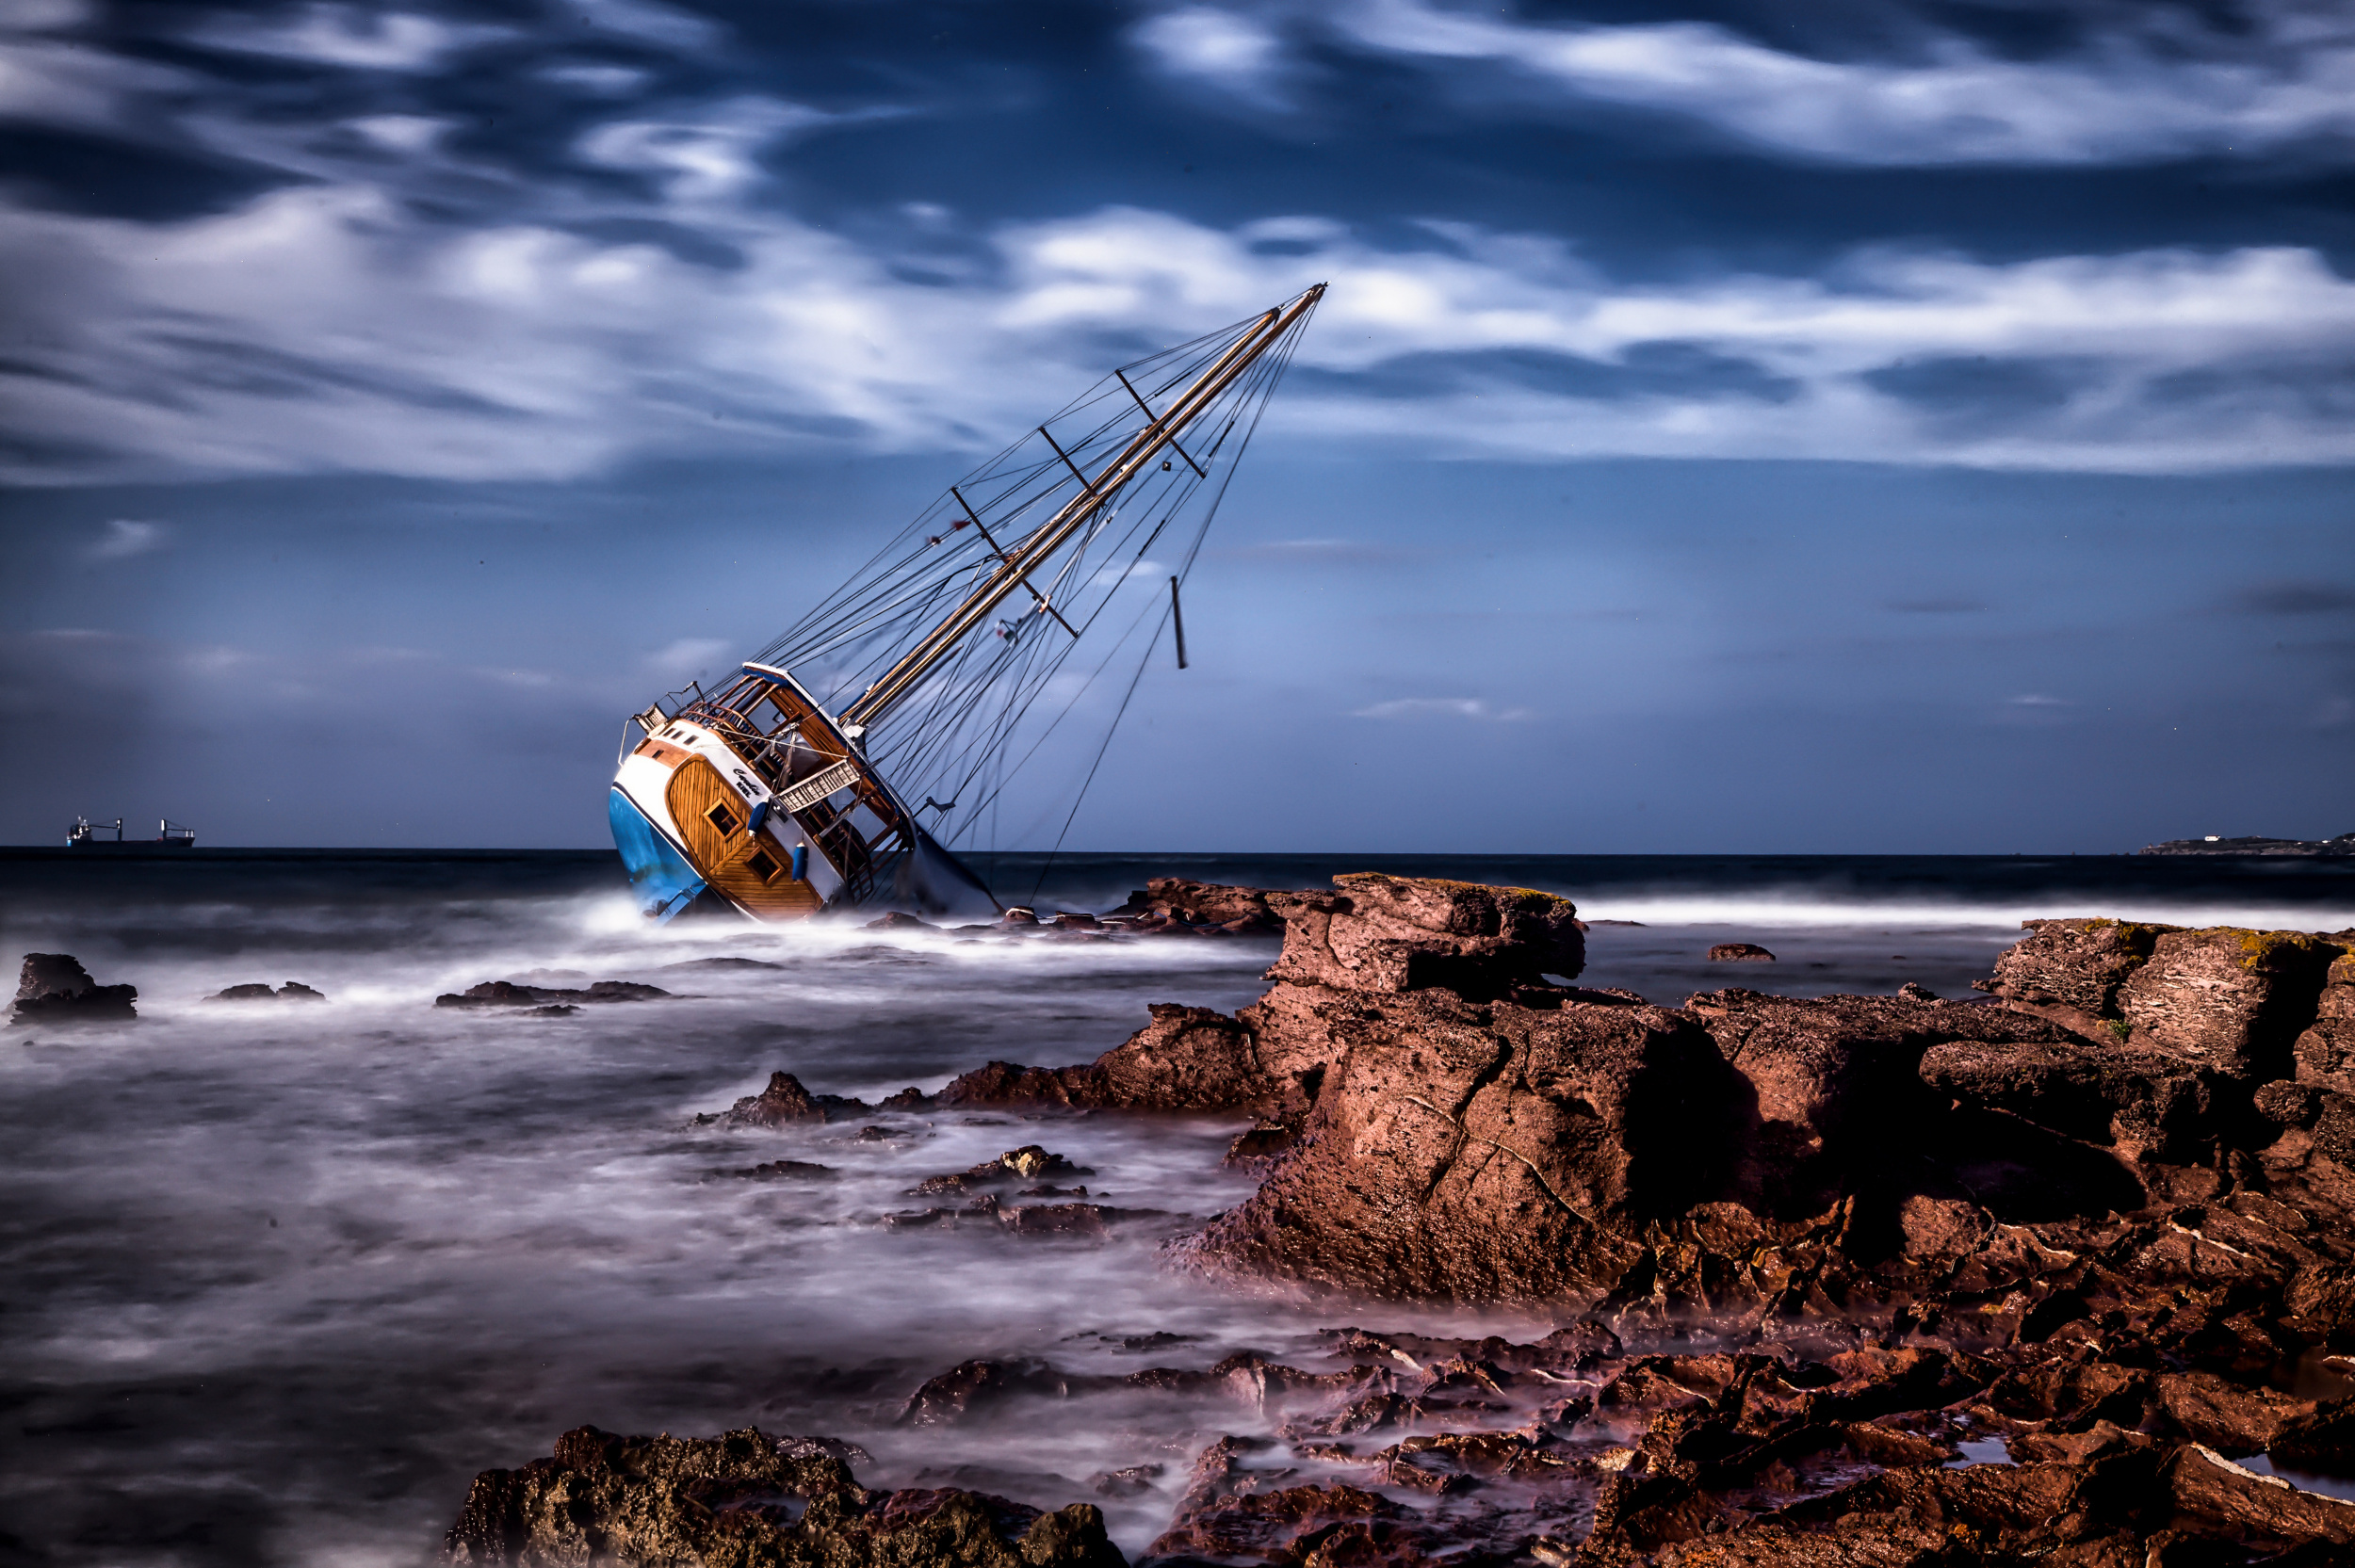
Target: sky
[{"x": 1730, "y": 427}]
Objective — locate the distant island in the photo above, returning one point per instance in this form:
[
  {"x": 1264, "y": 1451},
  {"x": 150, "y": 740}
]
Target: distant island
[{"x": 2343, "y": 844}]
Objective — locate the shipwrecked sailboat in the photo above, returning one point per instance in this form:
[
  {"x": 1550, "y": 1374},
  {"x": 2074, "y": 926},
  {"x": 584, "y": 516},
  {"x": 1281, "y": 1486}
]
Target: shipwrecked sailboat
[{"x": 837, "y": 768}]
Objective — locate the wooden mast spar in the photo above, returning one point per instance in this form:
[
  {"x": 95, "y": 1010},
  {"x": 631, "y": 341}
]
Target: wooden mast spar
[
  {"x": 812, "y": 756},
  {"x": 1013, "y": 571}
]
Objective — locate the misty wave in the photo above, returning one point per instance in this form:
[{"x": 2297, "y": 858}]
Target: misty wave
[{"x": 284, "y": 1277}]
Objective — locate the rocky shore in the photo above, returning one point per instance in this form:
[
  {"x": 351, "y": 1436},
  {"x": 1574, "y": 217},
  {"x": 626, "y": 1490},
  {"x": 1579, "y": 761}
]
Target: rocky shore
[{"x": 2056, "y": 1274}]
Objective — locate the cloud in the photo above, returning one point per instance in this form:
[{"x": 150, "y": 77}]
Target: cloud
[
  {"x": 1318, "y": 551},
  {"x": 354, "y": 36},
  {"x": 704, "y": 156},
  {"x": 2033, "y": 700},
  {"x": 333, "y": 327},
  {"x": 691, "y": 658},
  {"x": 125, "y": 537},
  {"x": 2123, "y": 97},
  {"x": 1238, "y": 53},
  {"x": 2294, "y": 598},
  {"x": 1443, "y": 708}
]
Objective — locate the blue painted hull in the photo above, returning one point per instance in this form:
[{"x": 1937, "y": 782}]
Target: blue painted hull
[{"x": 659, "y": 878}]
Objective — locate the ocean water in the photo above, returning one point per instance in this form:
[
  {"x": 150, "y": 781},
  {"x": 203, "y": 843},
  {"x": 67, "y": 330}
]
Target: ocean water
[{"x": 276, "y": 1281}]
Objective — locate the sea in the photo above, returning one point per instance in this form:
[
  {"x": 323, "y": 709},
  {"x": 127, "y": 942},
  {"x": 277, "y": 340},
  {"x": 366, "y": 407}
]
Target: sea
[{"x": 278, "y": 1279}]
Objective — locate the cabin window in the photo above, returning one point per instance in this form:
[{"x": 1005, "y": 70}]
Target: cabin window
[
  {"x": 722, "y": 818},
  {"x": 762, "y": 866}
]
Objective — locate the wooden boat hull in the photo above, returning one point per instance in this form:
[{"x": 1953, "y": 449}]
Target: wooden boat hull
[{"x": 716, "y": 801}]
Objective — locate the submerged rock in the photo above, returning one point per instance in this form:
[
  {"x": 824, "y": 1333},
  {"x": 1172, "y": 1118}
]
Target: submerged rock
[
  {"x": 1740, "y": 952},
  {"x": 293, "y": 991},
  {"x": 54, "y": 988},
  {"x": 785, "y": 1102},
  {"x": 748, "y": 1499},
  {"x": 506, "y": 994}
]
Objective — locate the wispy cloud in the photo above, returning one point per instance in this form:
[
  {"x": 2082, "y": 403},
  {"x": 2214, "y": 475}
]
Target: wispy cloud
[
  {"x": 358, "y": 37},
  {"x": 2286, "y": 76},
  {"x": 125, "y": 537},
  {"x": 1440, "y": 707},
  {"x": 1318, "y": 552},
  {"x": 1235, "y": 53},
  {"x": 330, "y": 328},
  {"x": 2036, "y": 700},
  {"x": 404, "y": 306}
]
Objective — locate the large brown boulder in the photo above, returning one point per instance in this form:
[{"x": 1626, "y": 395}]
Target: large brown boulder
[
  {"x": 1484, "y": 1151},
  {"x": 1374, "y": 933},
  {"x": 1383, "y": 933},
  {"x": 709, "y": 1502},
  {"x": 2227, "y": 999}
]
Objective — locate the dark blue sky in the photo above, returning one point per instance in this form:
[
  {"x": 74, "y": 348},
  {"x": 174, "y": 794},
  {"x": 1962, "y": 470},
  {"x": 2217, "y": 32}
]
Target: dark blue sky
[{"x": 1737, "y": 426}]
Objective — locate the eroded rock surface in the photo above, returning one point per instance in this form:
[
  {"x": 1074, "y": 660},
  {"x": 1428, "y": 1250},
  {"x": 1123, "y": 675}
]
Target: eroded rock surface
[
  {"x": 746, "y": 1499},
  {"x": 1846, "y": 1279}
]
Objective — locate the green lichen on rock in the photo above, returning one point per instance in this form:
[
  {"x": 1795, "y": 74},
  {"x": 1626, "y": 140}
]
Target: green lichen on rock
[{"x": 2273, "y": 952}]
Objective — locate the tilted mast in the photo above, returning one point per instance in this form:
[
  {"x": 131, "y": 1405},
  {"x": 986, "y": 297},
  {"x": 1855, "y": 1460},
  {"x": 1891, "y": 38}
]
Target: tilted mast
[{"x": 1014, "y": 569}]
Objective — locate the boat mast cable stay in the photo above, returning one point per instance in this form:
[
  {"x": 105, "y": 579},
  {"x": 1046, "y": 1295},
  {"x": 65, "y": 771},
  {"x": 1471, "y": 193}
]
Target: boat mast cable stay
[{"x": 783, "y": 790}]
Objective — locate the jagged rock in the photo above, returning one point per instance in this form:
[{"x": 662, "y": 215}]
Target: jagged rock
[
  {"x": 1029, "y": 1162},
  {"x": 2325, "y": 1052},
  {"x": 1487, "y": 1152},
  {"x": 664, "y": 1502},
  {"x": 2074, "y": 967},
  {"x": 2318, "y": 1303},
  {"x": 785, "y": 1102},
  {"x": 2231, "y": 999},
  {"x": 506, "y": 994},
  {"x": 900, "y": 920},
  {"x": 978, "y": 1389},
  {"x": 2320, "y": 1440},
  {"x": 1834, "y": 1085},
  {"x": 54, "y": 988},
  {"x": 1381, "y": 933},
  {"x": 789, "y": 1170},
  {"x": 2227, "y": 1416},
  {"x": 1167, "y": 901},
  {"x": 2145, "y": 1103},
  {"x": 1740, "y": 952},
  {"x": 1189, "y": 1059},
  {"x": 293, "y": 991}
]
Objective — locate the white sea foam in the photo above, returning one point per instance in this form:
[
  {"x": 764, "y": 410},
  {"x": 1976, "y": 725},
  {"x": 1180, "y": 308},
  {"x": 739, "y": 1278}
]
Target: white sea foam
[{"x": 281, "y": 1277}]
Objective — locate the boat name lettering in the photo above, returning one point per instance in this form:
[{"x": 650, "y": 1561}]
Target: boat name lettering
[{"x": 817, "y": 788}]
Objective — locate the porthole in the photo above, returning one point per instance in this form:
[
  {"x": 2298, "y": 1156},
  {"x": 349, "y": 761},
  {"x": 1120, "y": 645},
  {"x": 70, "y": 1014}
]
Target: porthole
[{"x": 722, "y": 818}]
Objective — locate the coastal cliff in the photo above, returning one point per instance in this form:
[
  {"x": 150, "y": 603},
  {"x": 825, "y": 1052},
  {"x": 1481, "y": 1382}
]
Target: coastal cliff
[{"x": 1853, "y": 1280}]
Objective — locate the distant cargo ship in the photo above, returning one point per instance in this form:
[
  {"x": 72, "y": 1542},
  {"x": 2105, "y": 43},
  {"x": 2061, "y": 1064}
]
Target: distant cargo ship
[
  {"x": 169, "y": 835},
  {"x": 835, "y": 767}
]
